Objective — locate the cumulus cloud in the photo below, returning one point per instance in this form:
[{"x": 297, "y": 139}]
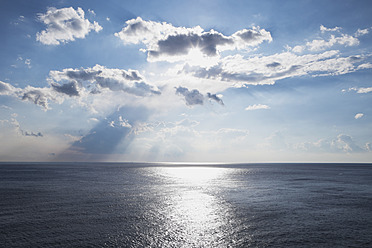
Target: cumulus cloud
[
  {"x": 81, "y": 82},
  {"x": 163, "y": 40},
  {"x": 344, "y": 39},
  {"x": 38, "y": 96},
  {"x": 100, "y": 78},
  {"x": 194, "y": 97},
  {"x": 256, "y": 107},
  {"x": 70, "y": 89},
  {"x": 358, "y": 116},
  {"x": 342, "y": 143},
  {"x": 327, "y": 42},
  {"x": 345, "y": 143},
  {"x": 64, "y": 25}
]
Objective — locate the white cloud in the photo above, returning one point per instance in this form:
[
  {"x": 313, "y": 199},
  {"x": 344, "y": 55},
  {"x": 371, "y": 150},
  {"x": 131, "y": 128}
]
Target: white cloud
[
  {"x": 93, "y": 120},
  {"x": 365, "y": 66},
  {"x": 325, "y": 43},
  {"x": 163, "y": 41},
  {"x": 7, "y": 89},
  {"x": 342, "y": 143},
  {"x": 358, "y": 116},
  {"x": 256, "y": 107},
  {"x": 361, "y": 32},
  {"x": 202, "y": 58},
  {"x": 325, "y": 29},
  {"x": 64, "y": 25},
  {"x": 345, "y": 143},
  {"x": 120, "y": 122},
  {"x": 361, "y": 90},
  {"x": 344, "y": 39}
]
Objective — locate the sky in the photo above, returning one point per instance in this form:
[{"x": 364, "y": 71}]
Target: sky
[{"x": 186, "y": 81}]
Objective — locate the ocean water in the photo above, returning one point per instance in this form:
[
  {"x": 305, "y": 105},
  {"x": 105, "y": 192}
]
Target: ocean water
[{"x": 163, "y": 205}]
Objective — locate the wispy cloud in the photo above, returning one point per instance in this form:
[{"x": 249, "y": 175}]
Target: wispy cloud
[
  {"x": 342, "y": 143},
  {"x": 256, "y": 107}
]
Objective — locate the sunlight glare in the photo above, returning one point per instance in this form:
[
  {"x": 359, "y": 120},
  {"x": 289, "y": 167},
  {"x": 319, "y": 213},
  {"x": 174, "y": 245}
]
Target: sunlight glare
[
  {"x": 196, "y": 57},
  {"x": 194, "y": 175}
]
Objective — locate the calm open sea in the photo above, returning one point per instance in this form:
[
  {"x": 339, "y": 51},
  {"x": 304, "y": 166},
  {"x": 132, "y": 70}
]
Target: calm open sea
[{"x": 162, "y": 205}]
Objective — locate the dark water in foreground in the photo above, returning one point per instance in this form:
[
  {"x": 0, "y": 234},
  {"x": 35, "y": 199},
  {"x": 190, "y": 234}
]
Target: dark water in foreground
[{"x": 144, "y": 205}]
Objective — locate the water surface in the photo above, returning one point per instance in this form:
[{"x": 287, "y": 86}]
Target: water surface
[{"x": 162, "y": 205}]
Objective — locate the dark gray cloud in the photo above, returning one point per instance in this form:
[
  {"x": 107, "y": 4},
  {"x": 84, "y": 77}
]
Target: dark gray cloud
[
  {"x": 273, "y": 65},
  {"x": 181, "y": 44},
  {"x": 69, "y": 89},
  {"x": 132, "y": 75},
  {"x": 99, "y": 77},
  {"x": 37, "y": 97},
  {"x": 202, "y": 72},
  {"x": 82, "y": 74},
  {"x": 215, "y": 97},
  {"x": 39, "y": 134},
  {"x": 250, "y": 35},
  {"x": 137, "y": 88},
  {"x": 192, "y": 97},
  {"x": 136, "y": 27},
  {"x": 163, "y": 39}
]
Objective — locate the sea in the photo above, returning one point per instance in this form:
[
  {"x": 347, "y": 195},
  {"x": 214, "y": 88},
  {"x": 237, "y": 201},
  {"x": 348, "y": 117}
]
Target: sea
[{"x": 185, "y": 205}]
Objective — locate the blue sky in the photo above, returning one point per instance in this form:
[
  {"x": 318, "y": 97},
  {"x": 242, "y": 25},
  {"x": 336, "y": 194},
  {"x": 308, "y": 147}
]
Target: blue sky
[{"x": 186, "y": 81}]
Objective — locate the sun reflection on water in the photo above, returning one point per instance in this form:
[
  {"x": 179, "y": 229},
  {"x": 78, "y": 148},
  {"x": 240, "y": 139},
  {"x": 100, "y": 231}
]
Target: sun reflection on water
[
  {"x": 195, "y": 216},
  {"x": 194, "y": 175}
]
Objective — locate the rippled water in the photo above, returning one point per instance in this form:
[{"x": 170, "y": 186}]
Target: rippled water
[{"x": 159, "y": 205}]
